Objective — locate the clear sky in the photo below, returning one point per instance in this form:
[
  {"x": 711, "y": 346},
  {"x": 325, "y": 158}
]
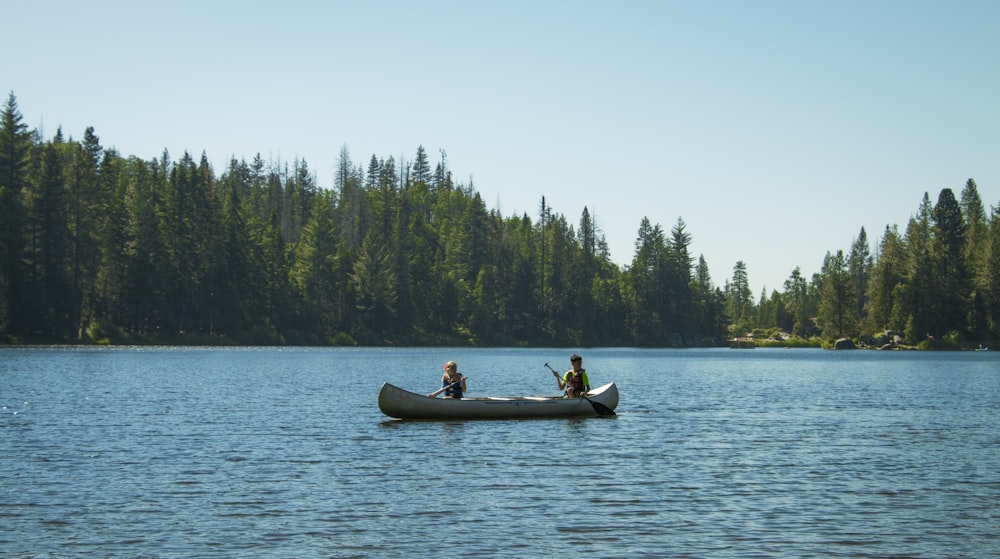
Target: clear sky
[{"x": 775, "y": 129}]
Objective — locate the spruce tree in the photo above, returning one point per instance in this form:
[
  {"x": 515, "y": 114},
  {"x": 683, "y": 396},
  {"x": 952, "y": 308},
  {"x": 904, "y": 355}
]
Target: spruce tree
[
  {"x": 952, "y": 283},
  {"x": 859, "y": 265},
  {"x": 15, "y": 144}
]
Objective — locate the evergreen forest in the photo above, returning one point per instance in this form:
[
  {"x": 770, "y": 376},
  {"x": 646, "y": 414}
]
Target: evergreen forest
[{"x": 97, "y": 247}]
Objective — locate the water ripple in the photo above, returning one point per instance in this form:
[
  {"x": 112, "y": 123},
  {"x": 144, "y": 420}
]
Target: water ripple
[{"x": 165, "y": 452}]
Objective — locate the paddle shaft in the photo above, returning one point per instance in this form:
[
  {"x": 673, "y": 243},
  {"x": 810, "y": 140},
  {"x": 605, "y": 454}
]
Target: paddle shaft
[{"x": 444, "y": 388}]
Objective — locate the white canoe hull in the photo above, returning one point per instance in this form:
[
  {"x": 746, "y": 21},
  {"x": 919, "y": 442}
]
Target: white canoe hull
[{"x": 402, "y": 404}]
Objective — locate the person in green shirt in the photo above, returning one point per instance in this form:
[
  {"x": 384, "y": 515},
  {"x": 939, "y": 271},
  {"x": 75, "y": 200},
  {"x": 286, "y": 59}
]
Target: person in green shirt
[{"x": 574, "y": 381}]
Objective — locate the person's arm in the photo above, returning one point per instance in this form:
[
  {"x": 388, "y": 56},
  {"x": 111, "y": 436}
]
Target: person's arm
[
  {"x": 586, "y": 382},
  {"x": 559, "y": 380},
  {"x": 464, "y": 388}
]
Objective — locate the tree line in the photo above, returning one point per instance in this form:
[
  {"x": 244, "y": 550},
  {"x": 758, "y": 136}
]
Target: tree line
[
  {"x": 936, "y": 284},
  {"x": 100, "y": 247}
]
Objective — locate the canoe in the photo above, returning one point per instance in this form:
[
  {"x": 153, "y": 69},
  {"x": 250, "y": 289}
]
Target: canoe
[{"x": 402, "y": 404}]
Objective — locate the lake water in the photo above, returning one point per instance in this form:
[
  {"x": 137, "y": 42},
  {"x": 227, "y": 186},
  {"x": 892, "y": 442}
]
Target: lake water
[{"x": 267, "y": 452}]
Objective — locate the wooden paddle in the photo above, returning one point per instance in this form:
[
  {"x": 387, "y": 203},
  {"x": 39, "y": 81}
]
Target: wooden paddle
[
  {"x": 435, "y": 394},
  {"x": 600, "y": 408}
]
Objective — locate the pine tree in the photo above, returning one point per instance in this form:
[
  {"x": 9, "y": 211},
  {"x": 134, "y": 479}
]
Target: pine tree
[
  {"x": 350, "y": 207},
  {"x": 87, "y": 206},
  {"x": 975, "y": 252},
  {"x": 679, "y": 293},
  {"x": 837, "y": 305},
  {"x": 740, "y": 300},
  {"x": 709, "y": 304},
  {"x": 888, "y": 273},
  {"x": 797, "y": 304},
  {"x": 113, "y": 242},
  {"x": 859, "y": 265},
  {"x": 15, "y": 143},
  {"x": 47, "y": 243},
  {"x": 991, "y": 276},
  {"x": 585, "y": 271},
  {"x": 645, "y": 321},
  {"x": 422, "y": 168},
  {"x": 952, "y": 281},
  {"x": 236, "y": 283},
  {"x": 916, "y": 304},
  {"x": 373, "y": 284},
  {"x": 144, "y": 297},
  {"x": 317, "y": 274}
]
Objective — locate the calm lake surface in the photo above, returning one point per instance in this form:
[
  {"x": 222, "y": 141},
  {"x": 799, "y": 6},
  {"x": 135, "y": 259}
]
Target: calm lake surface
[{"x": 268, "y": 452}]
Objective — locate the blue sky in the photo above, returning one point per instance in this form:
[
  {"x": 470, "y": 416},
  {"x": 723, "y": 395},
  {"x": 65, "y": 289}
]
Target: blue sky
[{"x": 775, "y": 129}]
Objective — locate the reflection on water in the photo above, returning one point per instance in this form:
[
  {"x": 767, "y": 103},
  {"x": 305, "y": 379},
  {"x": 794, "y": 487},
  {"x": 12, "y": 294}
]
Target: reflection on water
[{"x": 163, "y": 452}]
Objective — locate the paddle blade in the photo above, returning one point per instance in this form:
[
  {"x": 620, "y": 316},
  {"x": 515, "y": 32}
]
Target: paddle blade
[{"x": 600, "y": 408}]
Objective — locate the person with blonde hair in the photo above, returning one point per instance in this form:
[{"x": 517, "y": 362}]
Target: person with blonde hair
[{"x": 453, "y": 381}]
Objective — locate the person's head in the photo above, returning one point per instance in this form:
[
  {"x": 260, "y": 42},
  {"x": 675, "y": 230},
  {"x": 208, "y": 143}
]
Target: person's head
[
  {"x": 451, "y": 367},
  {"x": 576, "y": 361}
]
